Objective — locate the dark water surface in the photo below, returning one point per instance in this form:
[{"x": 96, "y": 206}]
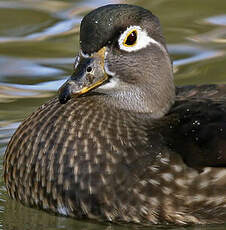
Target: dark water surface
[{"x": 38, "y": 41}]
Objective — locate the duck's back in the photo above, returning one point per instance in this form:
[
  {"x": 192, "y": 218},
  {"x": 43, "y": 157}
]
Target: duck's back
[{"x": 201, "y": 127}]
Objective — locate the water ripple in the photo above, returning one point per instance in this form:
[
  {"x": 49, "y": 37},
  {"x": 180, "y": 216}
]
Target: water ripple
[
  {"x": 196, "y": 54},
  {"x": 29, "y": 90},
  {"x": 217, "y": 20},
  {"x": 215, "y": 35},
  {"x": 64, "y": 23},
  {"x": 26, "y": 67}
]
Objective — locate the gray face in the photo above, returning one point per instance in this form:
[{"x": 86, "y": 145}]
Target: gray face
[{"x": 136, "y": 60}]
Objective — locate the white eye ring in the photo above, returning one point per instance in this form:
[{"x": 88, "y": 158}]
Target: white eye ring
[{"x": 142, "y": 40}]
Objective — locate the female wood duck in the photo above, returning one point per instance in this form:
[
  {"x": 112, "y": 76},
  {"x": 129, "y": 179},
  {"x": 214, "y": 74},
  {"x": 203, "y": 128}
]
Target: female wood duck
[{"x": 120, "y": 144}]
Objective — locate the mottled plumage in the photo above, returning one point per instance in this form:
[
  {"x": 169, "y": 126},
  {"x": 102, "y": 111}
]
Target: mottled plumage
[{"x": 120, "y": 150}]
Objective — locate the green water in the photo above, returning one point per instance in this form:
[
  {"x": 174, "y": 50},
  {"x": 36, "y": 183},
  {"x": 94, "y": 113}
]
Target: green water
[{"x": 38, "y": 41}]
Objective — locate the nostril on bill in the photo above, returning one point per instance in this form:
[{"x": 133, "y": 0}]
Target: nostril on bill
[{"x": 89, "y": 69}]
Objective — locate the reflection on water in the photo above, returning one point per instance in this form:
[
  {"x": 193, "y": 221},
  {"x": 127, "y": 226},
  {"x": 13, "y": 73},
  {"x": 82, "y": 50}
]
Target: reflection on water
[{"x": 38, "y": 40}]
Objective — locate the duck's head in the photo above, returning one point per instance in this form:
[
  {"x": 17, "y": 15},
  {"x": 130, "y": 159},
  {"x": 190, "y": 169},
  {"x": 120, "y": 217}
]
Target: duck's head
[{"x": 123, "y": 56}]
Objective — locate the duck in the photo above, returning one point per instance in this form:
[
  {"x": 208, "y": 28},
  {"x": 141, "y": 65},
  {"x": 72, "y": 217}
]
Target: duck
[{"x": 120, "y": 143}]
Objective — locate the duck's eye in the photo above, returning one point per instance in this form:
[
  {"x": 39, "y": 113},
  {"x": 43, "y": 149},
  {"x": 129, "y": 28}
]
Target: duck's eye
[
  {"x": 131, "y": 39},
  {"x": 134, "y": 38}
]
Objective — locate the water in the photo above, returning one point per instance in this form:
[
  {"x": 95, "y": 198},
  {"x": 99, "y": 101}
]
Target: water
[{"x": 38, "y": 41}]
